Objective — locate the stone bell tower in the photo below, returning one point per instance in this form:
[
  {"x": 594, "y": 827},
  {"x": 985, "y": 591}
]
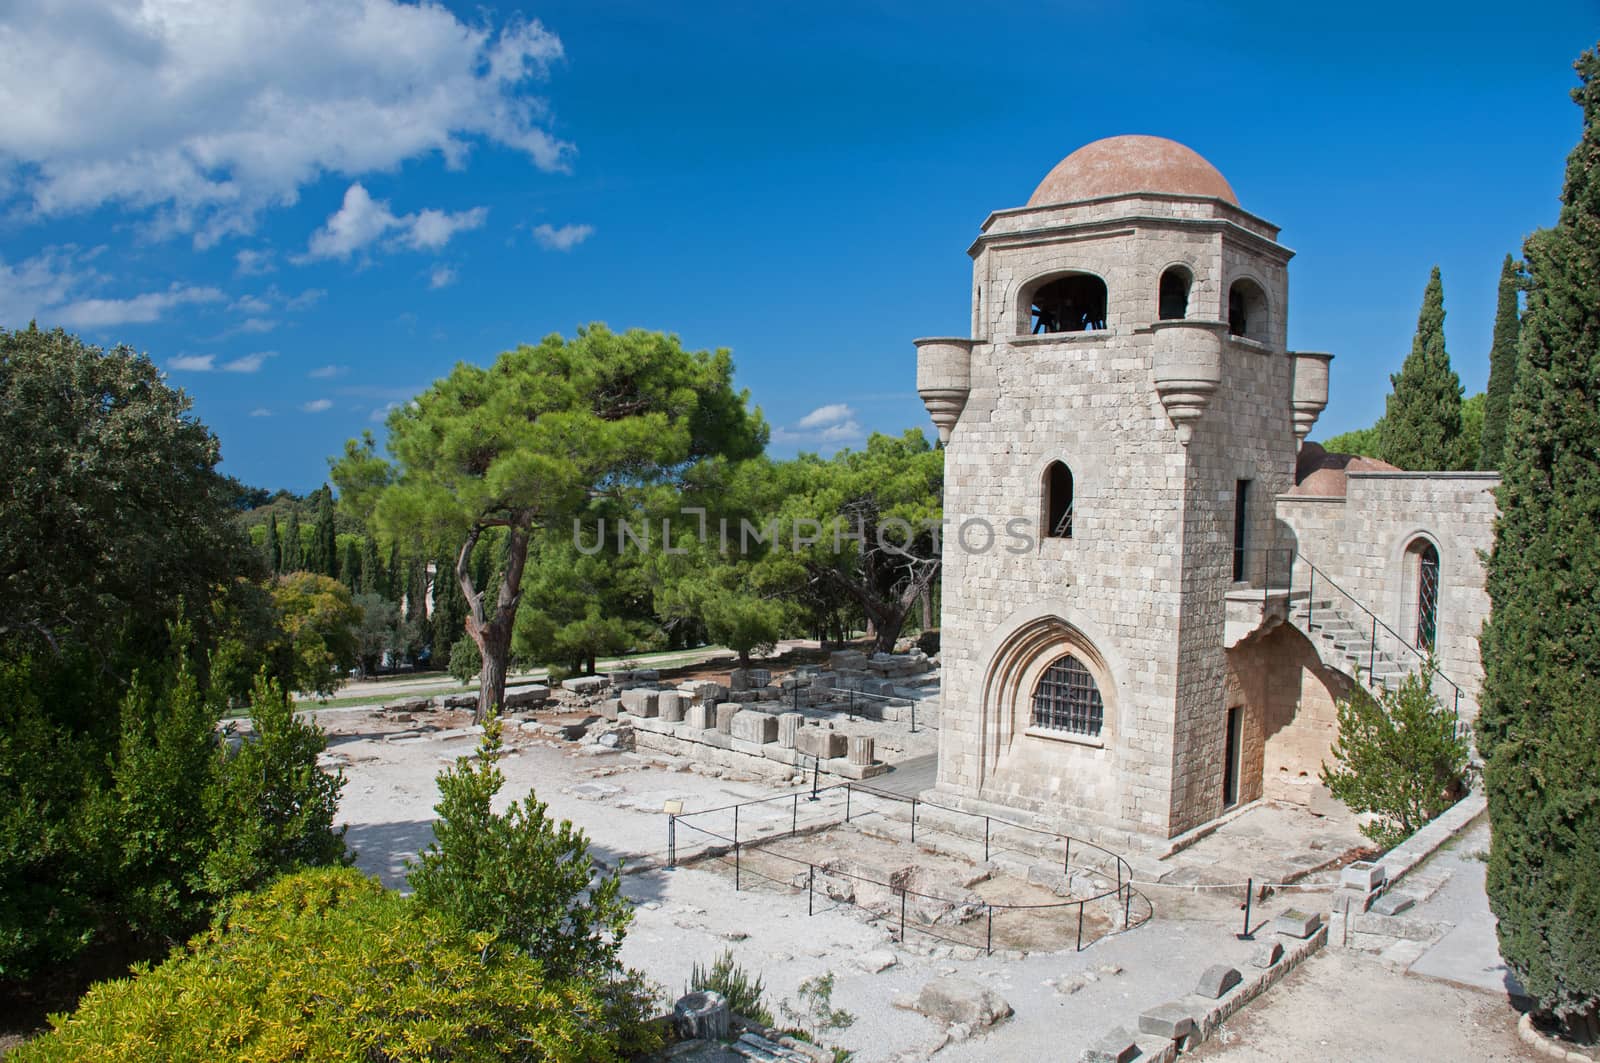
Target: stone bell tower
[{"x": 1116, "y": 429}]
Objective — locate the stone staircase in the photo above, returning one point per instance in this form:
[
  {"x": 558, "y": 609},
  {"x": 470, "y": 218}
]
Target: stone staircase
[{"x": 1345, "y": 643}]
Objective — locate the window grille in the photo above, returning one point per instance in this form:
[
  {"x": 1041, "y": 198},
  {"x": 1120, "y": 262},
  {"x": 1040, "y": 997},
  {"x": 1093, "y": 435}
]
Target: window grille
[{"x": 1067, "y": 699}]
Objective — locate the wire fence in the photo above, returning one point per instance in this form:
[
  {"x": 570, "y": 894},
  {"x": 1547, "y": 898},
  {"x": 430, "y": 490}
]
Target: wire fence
[{"x": 741, "y": 837}]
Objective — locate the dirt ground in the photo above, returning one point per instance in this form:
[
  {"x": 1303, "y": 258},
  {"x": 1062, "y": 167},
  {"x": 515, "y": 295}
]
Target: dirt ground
[{"x": 1348, "y": 1007}]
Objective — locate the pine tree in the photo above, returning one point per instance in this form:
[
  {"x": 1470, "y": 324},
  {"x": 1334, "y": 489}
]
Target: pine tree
[
  {"x": 274, "y": 547},
  {"x": 290, "y": 555},
  {"x": 1502, "y": 367},
  {"x": 1422, "y": 421},
  {"x": 1539, "y": 726}
]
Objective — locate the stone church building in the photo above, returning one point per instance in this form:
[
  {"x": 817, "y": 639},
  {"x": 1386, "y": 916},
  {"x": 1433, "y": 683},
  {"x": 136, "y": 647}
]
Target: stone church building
[{"x": 1197, "y": 584}]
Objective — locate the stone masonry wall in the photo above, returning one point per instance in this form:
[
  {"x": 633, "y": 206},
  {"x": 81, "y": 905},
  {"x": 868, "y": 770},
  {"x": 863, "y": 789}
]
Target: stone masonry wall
[{"x": 1360, "y": 541}]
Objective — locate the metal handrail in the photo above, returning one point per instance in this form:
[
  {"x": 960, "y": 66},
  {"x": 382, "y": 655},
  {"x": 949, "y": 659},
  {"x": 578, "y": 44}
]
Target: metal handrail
[{"x": 1425, "y": 660}]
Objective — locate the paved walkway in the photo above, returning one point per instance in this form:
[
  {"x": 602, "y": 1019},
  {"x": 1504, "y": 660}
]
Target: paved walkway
[
  {"x": 909, "y": 777},
  {"x": 1469, "y": 953}
]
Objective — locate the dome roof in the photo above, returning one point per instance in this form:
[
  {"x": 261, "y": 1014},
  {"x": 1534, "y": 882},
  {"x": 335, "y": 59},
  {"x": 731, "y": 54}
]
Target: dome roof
[{"x": 1119, "y": 165}]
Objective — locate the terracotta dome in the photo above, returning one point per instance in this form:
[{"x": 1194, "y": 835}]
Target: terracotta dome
[
  {"x": 1318, "y": 474},
  {"x": 1119, "y": 165}
]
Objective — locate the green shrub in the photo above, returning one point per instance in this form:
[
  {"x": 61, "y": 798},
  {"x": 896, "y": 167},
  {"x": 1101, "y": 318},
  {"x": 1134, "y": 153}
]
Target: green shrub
[
  {"x": 272, "y": 806},
  {"x": 814, "y": 1013},
  {"x": 738, "y": 987},
  {"x": 466, "y": 660},
  {"x": 1398, "y": 756},
  {"x": 328, "y": 965}
]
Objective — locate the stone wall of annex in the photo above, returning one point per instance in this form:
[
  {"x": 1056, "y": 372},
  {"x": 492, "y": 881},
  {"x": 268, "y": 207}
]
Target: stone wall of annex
[{"x": 1360, "y": 541}]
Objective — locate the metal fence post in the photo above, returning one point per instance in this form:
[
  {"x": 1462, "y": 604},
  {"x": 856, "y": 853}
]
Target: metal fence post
[
  {"x": 736, "y": 867},
  {"x": 988, "y": 936},
  {"x": 1080, "y": 926},
  {"x": 794, "y": 820},
  {"x": 672, "y": 842},
  {"x": 1372, "y": 659},
  {"x": 736, "y": 826},
  {"x": 816, "y": 772},
  {"x": 848, "y": 790},
  {"x": 1127, "y": 905},
  {"x": 913, "y": 715},
  {"x": 986, "y": 839},
  {"x": 811, "y": 880},
  {"x": 902, "y": 915},
  {"x": 1249, "y": 893},
  {"x": 913, "y": 819},
  {"x": 1311, "y": 594},
  {"x": 1066, "y": 860}
]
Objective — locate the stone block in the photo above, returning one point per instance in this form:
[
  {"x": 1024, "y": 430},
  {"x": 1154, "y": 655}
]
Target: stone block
[
  {"x": 759, "y": 677},
  {"x": 1363, "y": 876},
  {"x": 609, "y": 708},
  {"x": 1345, "y": 900},
  {"x": 619, "y": 678},
  {"x": 671, "y": 705},
  {"x": 585, "y": 684},
  {"x": 1393, "y": 903},
  {"x": 861, "y": 750},
  {"x": 1171, "y": 1020},
  {"x": 752, "y": 725},
  {"x": 1266, "y": 954},
  {"x": 820, "y": 742},
  {"x": 1217, "y": 980},
  {"x": 789, "y": 725},
  {"x": 704, "y": 690},
  {"x": 1297, "y": 924},
  {"x": 738, "y": 681},
  {"x": 951, "y": 1000},
  {"x": 646, "y": 675},
  {"x": 527, "y": 697},
  {"x": 702, "y": 717},
  {"x": 641, "y": 702},
  {"x": 725, "y": 714},
  {"x": 1117, "y": 1046}
]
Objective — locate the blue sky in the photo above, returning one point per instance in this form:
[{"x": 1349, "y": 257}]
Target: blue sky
[{"x": 306, "y": 210}]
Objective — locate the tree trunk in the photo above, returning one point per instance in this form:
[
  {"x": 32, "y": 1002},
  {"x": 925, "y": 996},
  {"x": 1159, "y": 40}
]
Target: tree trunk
[
  {"x": 927, "y": 608},
  {"x": 744, "y": 658},
  {"x": 492, "y": 633}
]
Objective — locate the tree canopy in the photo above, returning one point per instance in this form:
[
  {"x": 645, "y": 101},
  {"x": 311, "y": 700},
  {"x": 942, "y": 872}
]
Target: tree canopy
[
  {"x": 112, "y": 514},
  {"x": 526, "y": 442}
]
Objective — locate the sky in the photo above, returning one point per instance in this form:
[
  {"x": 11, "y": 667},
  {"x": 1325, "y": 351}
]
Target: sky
[{"x": 306, "y": 211}]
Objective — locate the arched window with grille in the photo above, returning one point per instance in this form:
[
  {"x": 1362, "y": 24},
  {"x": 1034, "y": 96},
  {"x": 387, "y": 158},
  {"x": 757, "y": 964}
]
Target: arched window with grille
[
  {"x": 1058, "y": 501},
  {"x": 1067, "y": 699}
]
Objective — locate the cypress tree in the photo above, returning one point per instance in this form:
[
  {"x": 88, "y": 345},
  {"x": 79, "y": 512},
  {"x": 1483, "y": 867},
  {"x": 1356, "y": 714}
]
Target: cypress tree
[
  {"x": 274, "y": 547},
  {"x": 323, "y": 555},
  {"x": 1539, "y": 726},
  {"x": 350, "y": 565},
  {"x": 372, "y": 581},
  {"x": 449, "y": 610},
  {"x": 1502, "y": 367},
  {"x": 1422, "y": 420},
  {"x": 290, "y": 555}
]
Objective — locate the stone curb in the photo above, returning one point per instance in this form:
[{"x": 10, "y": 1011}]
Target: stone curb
[
  {"x": 1546, "y": 1046},
  {"x": 1209, "y": 1014},
  {"x": 1404, "y": 858}
]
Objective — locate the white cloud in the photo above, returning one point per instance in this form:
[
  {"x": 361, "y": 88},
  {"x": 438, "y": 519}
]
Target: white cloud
[
  {"x": 57, "y": 286},
  {"x": 250, "y": 363},
  {"x": 317, "y": 405},
  {"x": 253, "y": 263},
  {"x": 260, "y": 411},
  {"x": 833, "y": 413},
  {"x": 251, "y": 304},
  {"x": 308, "y": 298},
  {"x": 563, "y": 239},
  {"x": 254, "y": 326},
  {"x": 834, "y": 423},
  {"x": 362, "y": 221},
  {"x": 207, "y": 363},
  {"x": 138, "y": 309},
  {"x": 442, "y": 277},
  {"x": 202, "y": 115},
  {"x": 381, "y": 414},
  {"x": 328, "y": 372}
]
